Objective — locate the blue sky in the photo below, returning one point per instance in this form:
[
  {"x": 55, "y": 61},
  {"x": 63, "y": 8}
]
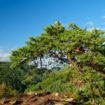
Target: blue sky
[{"x": 20, "y": 19}]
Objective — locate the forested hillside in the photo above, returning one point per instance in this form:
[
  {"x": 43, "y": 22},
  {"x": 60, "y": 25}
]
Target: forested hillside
[{"x": 60, "y": 60}]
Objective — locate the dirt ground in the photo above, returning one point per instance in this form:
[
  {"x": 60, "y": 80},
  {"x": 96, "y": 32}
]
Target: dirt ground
[{"x": 40, "y": 99}]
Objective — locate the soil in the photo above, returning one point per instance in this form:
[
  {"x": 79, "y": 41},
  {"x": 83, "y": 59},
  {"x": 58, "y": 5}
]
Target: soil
[{"x": 39, "y": 99}]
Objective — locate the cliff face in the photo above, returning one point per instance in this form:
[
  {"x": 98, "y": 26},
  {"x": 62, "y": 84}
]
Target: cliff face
[{"x": 40, "y": 99}]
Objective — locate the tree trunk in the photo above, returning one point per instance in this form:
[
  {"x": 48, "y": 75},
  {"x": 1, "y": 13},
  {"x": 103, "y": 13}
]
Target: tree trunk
[{"x": 41, "y": 62}]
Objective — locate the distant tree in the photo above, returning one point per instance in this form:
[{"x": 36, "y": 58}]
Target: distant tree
[{"x": 11, "y": 78}]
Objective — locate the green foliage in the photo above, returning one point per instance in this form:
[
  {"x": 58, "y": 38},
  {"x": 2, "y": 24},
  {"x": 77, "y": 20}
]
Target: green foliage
[
  {"x": 11, "y": 78},
  {"x": 57, "y": 81},
  {"x": 82, "y": 50},
  {"x": 6, "y": 91},
  {"x": 89, "y": 86}
]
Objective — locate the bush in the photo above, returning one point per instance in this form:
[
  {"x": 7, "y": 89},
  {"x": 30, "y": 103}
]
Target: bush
[{"x": 6, "y": 91}]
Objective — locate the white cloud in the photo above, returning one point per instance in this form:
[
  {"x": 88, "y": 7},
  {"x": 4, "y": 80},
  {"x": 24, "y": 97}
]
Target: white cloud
[
  {"x": 1, "y": 47},
  {"x": 103, "y": 17},
  {"x": 90, "y": 28},
  {"x": 101, "y": 28},
  {"x": 90, "y": 23},
  {"x": 98, "y": 28},
  {"x": 4, "y": 56},
  {"x": 103, "y": 23}
]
